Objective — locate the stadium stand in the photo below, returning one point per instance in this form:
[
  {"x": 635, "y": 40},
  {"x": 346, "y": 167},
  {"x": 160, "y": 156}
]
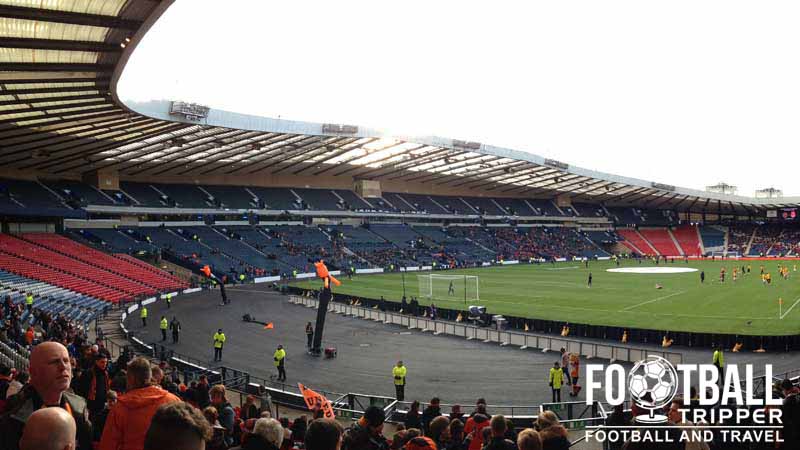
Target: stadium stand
[
  {"x": 635, "y": 242},
  {"x": 713, "y": 237},
  {"x": 688, "y": 239},
  {"x": 78, "y": 193},
  {"x": 158, "y": 280},
  {"x": 661, "y": 241},
  {"x": 516, "y": 206},
  {"x": 739, "y": 238},
  {"x": 142, "y": 194},
  {"x": 234, "y": 197},
  {"x": 425, "y": 203}
]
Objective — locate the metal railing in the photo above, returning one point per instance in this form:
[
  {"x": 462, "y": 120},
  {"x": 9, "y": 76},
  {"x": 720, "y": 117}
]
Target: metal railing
[{"x": 504, "y": 337}]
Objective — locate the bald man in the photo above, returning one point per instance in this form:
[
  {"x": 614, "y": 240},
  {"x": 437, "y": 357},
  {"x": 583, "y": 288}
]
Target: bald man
[
  {"x": 49, "y": 429},
  {"x": 50, "y": 377}
]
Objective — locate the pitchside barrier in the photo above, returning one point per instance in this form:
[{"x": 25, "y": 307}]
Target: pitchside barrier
[
  {"x": 636, "y": 336},
  {"x": 502, "y": 337}
]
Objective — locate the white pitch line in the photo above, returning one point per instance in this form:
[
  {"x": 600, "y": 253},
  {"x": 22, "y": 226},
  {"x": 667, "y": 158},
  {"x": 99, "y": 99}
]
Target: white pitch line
[
  {"x": 790, "y": 308},
  {"x": 653, "y": 300}
]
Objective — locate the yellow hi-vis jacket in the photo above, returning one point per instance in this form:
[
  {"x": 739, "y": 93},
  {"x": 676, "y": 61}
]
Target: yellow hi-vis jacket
[
  {"x": 278, "y": 356},
  {"x": 399, "y": 374},
  {"x": 556, "y": 377},
  {"x": 219, "y": 339},
  {"x": 164, "y": 324},
  {"x": 719, "y": 359},
  {"x": 143, "y": 313},
  {"x": 29, "y": 299}
]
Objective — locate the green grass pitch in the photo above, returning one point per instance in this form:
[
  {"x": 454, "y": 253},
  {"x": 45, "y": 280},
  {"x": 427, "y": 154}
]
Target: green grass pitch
[{"x": 560, "y": 292}]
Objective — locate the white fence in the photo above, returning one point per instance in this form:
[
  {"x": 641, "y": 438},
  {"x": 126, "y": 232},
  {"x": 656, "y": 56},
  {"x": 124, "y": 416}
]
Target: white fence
[{"x": 502, "y": 337}]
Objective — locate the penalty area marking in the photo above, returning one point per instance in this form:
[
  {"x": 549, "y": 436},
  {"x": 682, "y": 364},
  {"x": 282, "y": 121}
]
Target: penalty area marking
[
  {"x": 790, "y": 308},
  {"x": 652, "y": 270},
  {"x": 563, "y": 268},
  {"x": 653, "y": 300}
]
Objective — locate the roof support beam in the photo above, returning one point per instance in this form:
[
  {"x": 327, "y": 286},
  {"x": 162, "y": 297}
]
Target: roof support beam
[
  {"x": 143, "y": 148},
  {"x": 416, "y": 162},
  {"x": 53, "y": 141},
  {"x": 313, "y": 149},
  {"x": 171, "y": 156},
  {"x": 662, "y": 202},
  {"x": 55, "y": 123},
  {"x": 400, "y": 164},
  {"x": 70, "y": 116},
  {"x": 464, "y": 163},
  {"x": 33, "y": 101},
  {"x": 50, "y": 108},
  {"x": 89, "y": 152},
  {"x": 59, "y": 44},
  {"x": 294, "y": 141},
  {"x": 5, "y": 80},
  {"x": 348, "y": 160},
  {"x": 377, "y": 161},
  {"x": 72, "y": 18},
  {"x": 82, "y": 146},
  {"x": 52, "y": 90},
  {"x": 288, "y": 148},
  {"x": 55, "y": 67},
  {"x": 487, "y": 174}
]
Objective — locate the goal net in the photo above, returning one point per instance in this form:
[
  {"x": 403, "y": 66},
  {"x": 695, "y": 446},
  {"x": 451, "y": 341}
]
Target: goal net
[
  {"x": 449, "y": 287},
  {"x": 729, "y": 254}
]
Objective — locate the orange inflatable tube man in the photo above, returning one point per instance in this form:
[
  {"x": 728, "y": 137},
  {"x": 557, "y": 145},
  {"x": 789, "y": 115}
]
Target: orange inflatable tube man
[
  {"x": 324, "y": 297},
  {"x": 322, "y": 273}
]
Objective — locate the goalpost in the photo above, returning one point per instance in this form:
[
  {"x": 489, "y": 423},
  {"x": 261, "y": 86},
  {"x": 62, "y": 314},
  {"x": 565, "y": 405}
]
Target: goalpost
[
  {"x": 725, "y": 254},
  {"x": 449, "y": 287}
]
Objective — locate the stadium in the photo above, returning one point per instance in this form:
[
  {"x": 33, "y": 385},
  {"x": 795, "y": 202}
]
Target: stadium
[{"x": 453, "y": 256}]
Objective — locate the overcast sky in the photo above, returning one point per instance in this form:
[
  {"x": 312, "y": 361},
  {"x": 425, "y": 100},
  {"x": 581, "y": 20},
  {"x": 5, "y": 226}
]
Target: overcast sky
[{"x": 688, "y": 93}]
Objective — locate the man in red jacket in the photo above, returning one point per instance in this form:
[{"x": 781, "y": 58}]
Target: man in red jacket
[{"x": 475, "y": 425}]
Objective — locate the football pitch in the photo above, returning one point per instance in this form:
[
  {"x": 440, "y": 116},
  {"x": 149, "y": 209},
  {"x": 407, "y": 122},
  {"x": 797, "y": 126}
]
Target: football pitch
[{"x": 560, "y": 292}]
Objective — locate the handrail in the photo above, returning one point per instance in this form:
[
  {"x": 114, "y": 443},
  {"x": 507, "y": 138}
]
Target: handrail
[{"x": 503, "y": 337}]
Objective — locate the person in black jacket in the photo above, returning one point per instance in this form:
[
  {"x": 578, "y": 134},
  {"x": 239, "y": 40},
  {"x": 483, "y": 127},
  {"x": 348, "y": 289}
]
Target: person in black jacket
[
  {"x": 412, "y": 416},
  {"x": 51, "y": 375},
  {"x": 429, "y": 413},
  {"x": 367, "y": 433},
  {"x": 499, "y": 441}
]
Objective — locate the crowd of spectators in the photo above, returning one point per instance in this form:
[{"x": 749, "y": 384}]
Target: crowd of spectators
[{"x": 541, "y": 242}]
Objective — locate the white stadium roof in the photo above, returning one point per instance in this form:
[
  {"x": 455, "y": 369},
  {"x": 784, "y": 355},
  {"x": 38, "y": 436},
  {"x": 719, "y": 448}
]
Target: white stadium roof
[{"x": 59, "y": 116}]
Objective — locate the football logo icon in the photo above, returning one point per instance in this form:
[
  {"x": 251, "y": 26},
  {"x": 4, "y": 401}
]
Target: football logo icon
[{"x": 652, "y": 384}]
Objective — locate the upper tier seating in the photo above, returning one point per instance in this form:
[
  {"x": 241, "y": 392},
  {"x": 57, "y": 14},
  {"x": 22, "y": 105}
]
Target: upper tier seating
[
  {"x": 353, "y": 201},
  {"x": 80, "y": 193},
  {"x": 688, "y": 239},
  {"x": 398, "y": 202},
  {"x": 157, "y": 279},
  {"x": 142, "y": 193},
  {"x": 113, "y": 240},
  {"x": 660, "y": 239},
  {"x": 587, "y": 210},
  {"x": 544, "y": 208},
  {"x": 183, "y": 195},
  {"x": 516, "y": 206},
  {"x": 424, "y": 203},
  {"x": 277, "y": 198},
  {"x": 319, "y": 199},
  {"x": 232, "y": 197},
  {"x": 485, "y": 206}
]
